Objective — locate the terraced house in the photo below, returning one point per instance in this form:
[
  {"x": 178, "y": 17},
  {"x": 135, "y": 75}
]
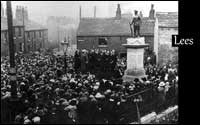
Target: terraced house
[{"x": 28, "y": 35}]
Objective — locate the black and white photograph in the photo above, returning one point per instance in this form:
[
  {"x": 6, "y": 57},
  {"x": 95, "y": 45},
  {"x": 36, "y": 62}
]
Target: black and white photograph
[{"x": 89, "y": 62}]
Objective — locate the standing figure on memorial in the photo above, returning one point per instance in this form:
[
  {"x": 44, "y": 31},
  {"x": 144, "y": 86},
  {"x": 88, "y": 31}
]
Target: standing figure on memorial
[{"x": 136, "y": 22}]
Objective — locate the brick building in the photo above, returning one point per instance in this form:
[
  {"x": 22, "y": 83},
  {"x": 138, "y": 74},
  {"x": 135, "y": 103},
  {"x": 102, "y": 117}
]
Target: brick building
[
  {"x": 28, "y": 34},
  {"x": 111, "y": 33}
]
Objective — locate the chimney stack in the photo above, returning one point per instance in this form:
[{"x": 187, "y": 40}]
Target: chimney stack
[
  {"x": 118, "y": 12},
  {"x": 2, "y": 10},
  {"x": 80, "y": 13},
  {"x": 141, "y": 15},
  {"x": 152, "y": 12},
  {"x": 25, "y": 13},
  {"x": 94, "y": 11}
]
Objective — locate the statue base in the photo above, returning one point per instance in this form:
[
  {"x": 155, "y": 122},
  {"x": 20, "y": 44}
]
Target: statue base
[
  {"x": 132, "y": 74},
  {"x": 135, "y": 59}
]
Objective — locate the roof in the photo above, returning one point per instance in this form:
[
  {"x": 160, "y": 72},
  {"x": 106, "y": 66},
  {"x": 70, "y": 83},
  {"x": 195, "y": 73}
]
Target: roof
[
  {"x": 29, "y": 25},
  {"x": 167, "y": 19},
  {"x": 4, "y": 25},
  {"x": 112, "y": 27}
]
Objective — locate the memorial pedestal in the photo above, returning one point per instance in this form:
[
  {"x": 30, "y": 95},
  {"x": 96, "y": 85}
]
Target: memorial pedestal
[{"x": 135, "y": 58}]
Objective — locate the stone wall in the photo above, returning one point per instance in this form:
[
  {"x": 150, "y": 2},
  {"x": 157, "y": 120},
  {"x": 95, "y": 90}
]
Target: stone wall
[{"x": 166, "y": 52}]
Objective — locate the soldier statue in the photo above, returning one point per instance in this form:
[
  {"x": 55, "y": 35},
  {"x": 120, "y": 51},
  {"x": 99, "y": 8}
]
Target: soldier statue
[{"x": 136, "y": 22}]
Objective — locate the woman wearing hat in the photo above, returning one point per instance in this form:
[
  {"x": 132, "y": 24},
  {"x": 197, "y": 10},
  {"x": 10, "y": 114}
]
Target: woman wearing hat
[{"x": 161, "y": 96}]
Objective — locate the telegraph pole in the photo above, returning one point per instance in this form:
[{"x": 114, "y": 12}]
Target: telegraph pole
[
  {"x": 58, "y": 35},
  {"x": 11, "y": 51},
  {"x": 24, "y": 29}
]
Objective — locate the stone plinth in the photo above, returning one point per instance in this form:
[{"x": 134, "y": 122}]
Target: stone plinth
[{"x": 135, "y": 58}]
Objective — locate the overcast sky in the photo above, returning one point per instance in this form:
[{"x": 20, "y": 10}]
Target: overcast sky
[{"x": 40, "y": 10}]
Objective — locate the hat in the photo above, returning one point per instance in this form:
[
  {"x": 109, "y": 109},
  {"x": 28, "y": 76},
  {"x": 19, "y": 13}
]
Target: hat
[
  {"x": 65, "y": 103},
  {"x": 107, "y": 91},
  {"x": 36, "y": 119},
  {"x": 167, "y": 83},
  {"x": 64, "y": 78},
  {"x": 96, "y": 87},
  {"x": 86, "y": 81},
  {"x": 147, "y": 82},
  {"x": 84, "y": 50},
  {"x": 91, "y": 96},
  {"x": 52, "y": 80},
  {"x": 72, "y": 80},
  {"x": 69, "y": 107},
  {"x": 18, "y": 117},
  {"x": 27, "y": 121},
  {"x": 22, "y": 83},
  {"x": 161, "y": 84},
  {"x": 111, "y": 100},
  {"x": 83, "y": 98},
  {"x": 79, "y": 84},
  {"x": 111, "y": 82},
  {"x": 99, "y": 95},
  {"x": 98, "y": 83},
  {"x": 57, "y": 89},
  {"x": 104, "y": 80}
]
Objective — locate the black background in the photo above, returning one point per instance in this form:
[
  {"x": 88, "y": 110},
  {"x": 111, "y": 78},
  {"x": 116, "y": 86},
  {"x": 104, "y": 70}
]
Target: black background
[{"x": 189, "y": 73}]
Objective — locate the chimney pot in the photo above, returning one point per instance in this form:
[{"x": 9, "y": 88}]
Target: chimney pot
[
  {"x": 94, "y": 11},
  {"x": 152, "y": 12},
  {"x": 118, "y": 12}
]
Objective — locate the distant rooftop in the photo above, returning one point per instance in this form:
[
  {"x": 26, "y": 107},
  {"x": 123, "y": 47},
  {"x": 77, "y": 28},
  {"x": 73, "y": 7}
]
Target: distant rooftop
[
  {"x": 29, "y": 25},
  {"x": 112, "y": 27},
  {"x": 4, "y": 25}
]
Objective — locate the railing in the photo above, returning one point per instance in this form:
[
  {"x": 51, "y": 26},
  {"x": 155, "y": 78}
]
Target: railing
[{"x": 150, "y": 103}]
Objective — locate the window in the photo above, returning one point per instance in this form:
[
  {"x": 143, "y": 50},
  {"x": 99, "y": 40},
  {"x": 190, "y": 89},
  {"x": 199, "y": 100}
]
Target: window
[
  {"x": 34, "y": 34},
  {"x": 14, "y": 35},
  {"x": 15, "y": 48},
  {"x": 29, "y": 48},
  {"x": 20, "y": 32},
  {"x": 103, "y": 42},
  {"x": 20, "y": 47},
  {"x": 40, "y": 33},
  {"x": 28, "y": 34},
  {"x": 40, "y": 45},
  {"x": 81, "y": 40},
  {"x": 5, "y": 36}
]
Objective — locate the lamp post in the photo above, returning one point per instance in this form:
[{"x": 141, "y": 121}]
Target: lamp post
[
  {"x": 23, "y": 21},
  {"x": 65, "y": 45}
]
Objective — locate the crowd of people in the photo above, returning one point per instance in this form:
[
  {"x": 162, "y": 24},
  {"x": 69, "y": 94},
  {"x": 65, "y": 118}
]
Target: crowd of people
[
  {"x": 48, "y": 95},
  {"x": 96, "y": 62}
]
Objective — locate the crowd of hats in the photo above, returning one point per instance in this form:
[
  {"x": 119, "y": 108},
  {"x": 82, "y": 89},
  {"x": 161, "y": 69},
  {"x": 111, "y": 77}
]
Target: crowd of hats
[
  {"x": 102, "y": 63},
  {"x": 48, "y": 95}
]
